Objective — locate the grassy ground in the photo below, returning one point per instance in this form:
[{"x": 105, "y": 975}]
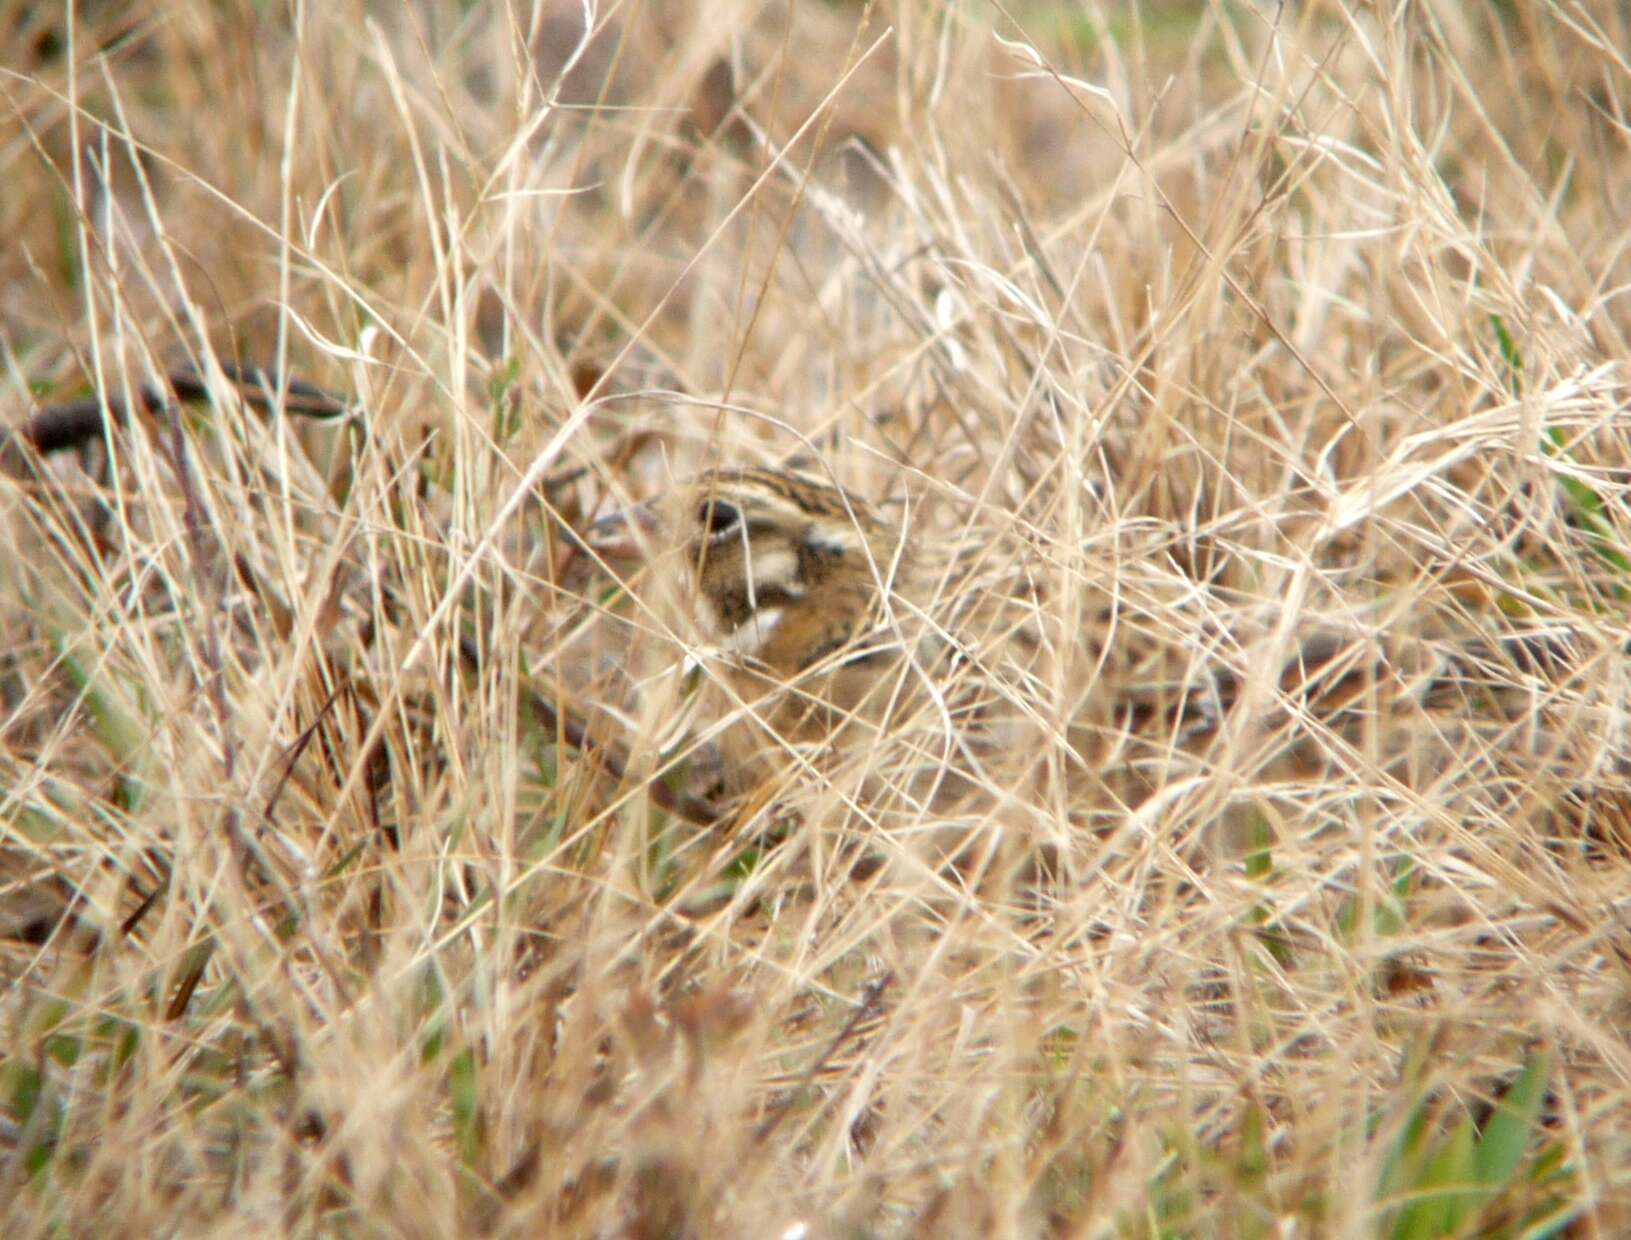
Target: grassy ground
[{"x": 1316, "y": 311}]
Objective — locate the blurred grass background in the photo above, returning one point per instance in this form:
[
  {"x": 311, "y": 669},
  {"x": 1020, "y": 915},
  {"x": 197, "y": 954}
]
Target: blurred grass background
[{"x": 313, "y": 928}]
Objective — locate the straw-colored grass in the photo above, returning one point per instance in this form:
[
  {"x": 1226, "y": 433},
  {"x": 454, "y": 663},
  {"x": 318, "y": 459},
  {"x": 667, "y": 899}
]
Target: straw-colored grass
[{"x": 337, "y": 894}]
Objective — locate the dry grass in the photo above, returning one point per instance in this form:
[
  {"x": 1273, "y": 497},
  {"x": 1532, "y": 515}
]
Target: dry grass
[{"x": 1313, "y": 317}]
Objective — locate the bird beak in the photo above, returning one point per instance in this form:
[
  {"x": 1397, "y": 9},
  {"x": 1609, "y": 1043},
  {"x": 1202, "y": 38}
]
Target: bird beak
[{"x": 622, "y": 535}]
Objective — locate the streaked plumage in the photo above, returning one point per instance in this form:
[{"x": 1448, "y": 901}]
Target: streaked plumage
[{"x": 829, "y": 628}]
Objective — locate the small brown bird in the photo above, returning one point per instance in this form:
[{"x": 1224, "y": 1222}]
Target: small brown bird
[
  {"x": 793, "y": 580},
  {"x": 831, "y": 630}
]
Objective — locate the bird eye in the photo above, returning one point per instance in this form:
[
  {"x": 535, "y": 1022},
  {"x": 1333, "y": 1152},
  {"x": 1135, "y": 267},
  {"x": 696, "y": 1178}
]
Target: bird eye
[{"x": 718, "y": 517}]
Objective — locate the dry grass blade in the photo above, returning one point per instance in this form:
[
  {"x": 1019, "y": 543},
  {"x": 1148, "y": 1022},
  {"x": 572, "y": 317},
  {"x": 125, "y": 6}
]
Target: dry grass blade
[{"x": 1209, "y": 816}]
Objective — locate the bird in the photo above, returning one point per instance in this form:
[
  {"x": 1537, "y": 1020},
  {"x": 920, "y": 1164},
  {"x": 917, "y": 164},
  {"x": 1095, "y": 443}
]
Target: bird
[
  {"x": 786, "y": 586},
  {"x": 926, "y": 653}
]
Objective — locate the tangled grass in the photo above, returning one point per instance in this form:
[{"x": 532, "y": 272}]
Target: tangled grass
[{"x": 351, "y": 869}]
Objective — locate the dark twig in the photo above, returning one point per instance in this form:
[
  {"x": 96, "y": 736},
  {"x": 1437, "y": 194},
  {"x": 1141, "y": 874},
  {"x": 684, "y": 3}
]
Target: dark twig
[{"x": 75, "y": 423}]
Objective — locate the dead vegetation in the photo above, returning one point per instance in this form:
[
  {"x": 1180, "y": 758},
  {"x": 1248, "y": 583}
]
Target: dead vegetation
[{"x": 359, "y": 871}]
